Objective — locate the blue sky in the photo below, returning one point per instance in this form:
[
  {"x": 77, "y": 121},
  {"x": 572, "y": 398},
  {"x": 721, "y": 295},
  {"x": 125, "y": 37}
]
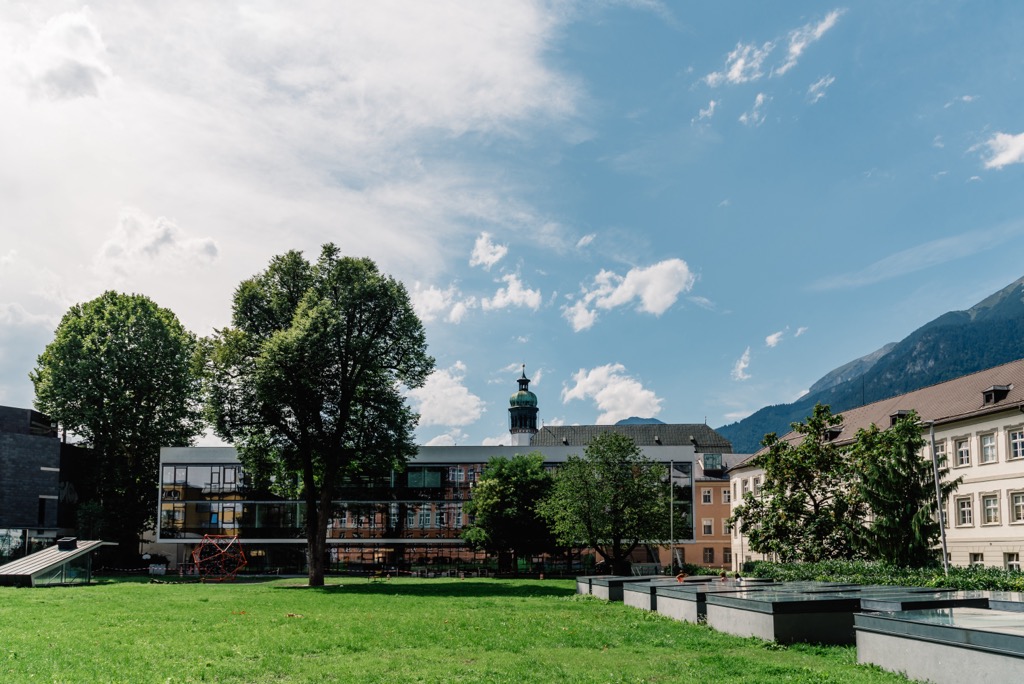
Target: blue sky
[{"x": 678, "y": 210}]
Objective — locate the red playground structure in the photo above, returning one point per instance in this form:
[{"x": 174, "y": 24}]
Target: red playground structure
[{"x": 219, "y": 557}]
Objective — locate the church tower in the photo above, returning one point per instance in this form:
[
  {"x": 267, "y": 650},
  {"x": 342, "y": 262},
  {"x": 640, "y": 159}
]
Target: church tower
[{"x": 522, "y": 413}]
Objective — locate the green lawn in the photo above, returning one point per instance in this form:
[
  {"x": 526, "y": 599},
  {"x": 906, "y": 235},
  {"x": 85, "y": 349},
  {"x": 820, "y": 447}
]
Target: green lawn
[{"x": 398, "y": 631}]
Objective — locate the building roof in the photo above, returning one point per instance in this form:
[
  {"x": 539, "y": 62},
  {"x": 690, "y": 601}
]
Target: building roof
[
  {"x": 946, "y": 402},
  {"x": 46, "y": 559},
  {"x": 646, "y": 434}
]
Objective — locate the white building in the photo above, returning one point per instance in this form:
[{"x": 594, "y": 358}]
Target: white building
[{"x": 978, "y": 422}]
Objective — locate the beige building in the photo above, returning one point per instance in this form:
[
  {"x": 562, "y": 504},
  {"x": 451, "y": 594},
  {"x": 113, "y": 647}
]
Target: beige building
[{"x": 978, "y": 423}]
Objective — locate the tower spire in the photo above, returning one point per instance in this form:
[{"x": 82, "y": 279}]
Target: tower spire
[{"x": 522, "y": 413}]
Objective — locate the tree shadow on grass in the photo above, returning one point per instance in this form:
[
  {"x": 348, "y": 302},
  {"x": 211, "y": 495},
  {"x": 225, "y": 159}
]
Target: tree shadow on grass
[{"x": 440, "y": 587}]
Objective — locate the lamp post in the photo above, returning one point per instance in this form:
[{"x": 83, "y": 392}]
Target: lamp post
[{"x": 939, "y": 508}]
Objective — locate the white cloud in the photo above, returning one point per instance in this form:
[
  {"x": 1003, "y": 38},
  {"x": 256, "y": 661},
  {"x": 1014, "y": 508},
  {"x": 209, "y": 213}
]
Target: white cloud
[
  {"x": 656, "y": 288},
  {"x": 966, "y": 99},
  {"x": 555, "y": 422},
  {"x": 741, "y": 65},
  {"x": 709, "y": 112},
  {"x": 816, "y": 90},
  {"x": 755, "y": 117},
  {"x": 702, "y": 302},
  {"x": 486, "y": 253},
  {"x": 937, "y": 142},
  {"x": 800, "y": 331},
  {"x": 1005, "y": 149},
  {"x": 453, "y": 437},
  {"x": 67, "y": 59},
  {"x": 585, "y": 240},
  {"x": 739, "y": 369},
  {"x": 925, "y": 255},
  {"x": 141, "y": 243},
  {"x": 774, "y": 339},
  {"x": 431, "y": 302},
  {"x": 800, "y": 38},
  {"x": 615, "y": 394},
  {"x": 444, "y": 399},
  {"x": 513, "y": 294},
  {"x": 504, "y": 439}
]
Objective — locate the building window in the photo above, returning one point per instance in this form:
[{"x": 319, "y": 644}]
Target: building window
[
  {"x": 963, "y": 452},
  {"x": 1016, "y": 507},
  {"x": 726, "y": 496},
  {"x": 990, "y": 509},
  {"x": 709, "y": 556},
  {"x": 977, "y": 559},
  {"x": 757, "y": 486},
  {"x": 441, "y": 518},
  {"x": 964, "y": 515},
  {"x": 1017, "y": 443},
  {"x": 734, "y": 494},
  {"x": 727, "y": 556},
  {"x": 726, "y": 527},
  {"x": 1011, "y": 561},
  {"x": 940, "y": 452},
  {"x": 709, "y": 526},
  {"x": 705, "y": 496},
  {"x": 745, "y": 484},
  {"x": 988, "y": 449}
]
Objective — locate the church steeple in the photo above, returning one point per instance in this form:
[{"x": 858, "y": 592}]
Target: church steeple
[{"x": 522, "y": 413}]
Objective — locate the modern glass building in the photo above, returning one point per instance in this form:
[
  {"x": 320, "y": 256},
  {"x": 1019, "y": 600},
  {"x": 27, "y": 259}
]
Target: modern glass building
[{"x": 410, "y": 520}]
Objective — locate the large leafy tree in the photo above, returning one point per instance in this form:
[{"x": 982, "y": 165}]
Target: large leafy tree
[
  {"x": 504, "y": 505},
  {"x": 121, "y": 375},
  {"x": 307, "y": 382},
  {"x": 898, "y": 486},
  {"x": 809, "y": 507},
  {"x": 611, "y": 499}
]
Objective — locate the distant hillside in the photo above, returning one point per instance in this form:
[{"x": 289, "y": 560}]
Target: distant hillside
[
  {"x": 633, "y": 420},
  {"x": 954, "y": 344}
]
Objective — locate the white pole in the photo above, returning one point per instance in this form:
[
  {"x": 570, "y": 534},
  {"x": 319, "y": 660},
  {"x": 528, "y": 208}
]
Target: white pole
[{"x": 939, "y": 508}]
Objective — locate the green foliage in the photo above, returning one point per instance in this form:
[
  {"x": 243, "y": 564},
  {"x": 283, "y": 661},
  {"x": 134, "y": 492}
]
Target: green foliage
[
  {"x": 504, "y": 506},
  {"x": 308, "y": 381},
  {"x": 122, "y": 374},
  {"x": 807, "y": 509},
  {"x": 877, "y": 572},
  {"x": 612, "y": 499},
  {"x": 899, "y": 488}
]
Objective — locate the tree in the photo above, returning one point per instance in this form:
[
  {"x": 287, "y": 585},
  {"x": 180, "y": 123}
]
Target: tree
[
  {"x": 898, "y": 486},
  {"x": 307, "y": 382},
  {"x": 612, "y": 500},
  {"x": 121, "y": 374},
  {"x": 809, "y": 508},
  {"x": 504, "y": 506}
]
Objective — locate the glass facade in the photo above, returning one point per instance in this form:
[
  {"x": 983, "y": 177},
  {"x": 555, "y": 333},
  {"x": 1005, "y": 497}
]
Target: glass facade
[{"x": 408, "y": 519}]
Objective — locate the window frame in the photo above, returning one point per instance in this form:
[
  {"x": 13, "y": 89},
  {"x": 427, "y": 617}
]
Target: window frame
[
  {"x": 707, "y": 495},
  {"x": 988, "y": 453},
  {"x": 989, "y": 505},
  {"x": 960, "y": 510},
  {"x": 1011, "y": 560},
  {"x": 1015, "y": 447},
  {"x": 1016, "y": 507},
  {"x": 709, "y": 555},
  {"x": 726, "y": 496},
  {"x": 958, "y": 462},
  {"x": 707, "y": 527}
]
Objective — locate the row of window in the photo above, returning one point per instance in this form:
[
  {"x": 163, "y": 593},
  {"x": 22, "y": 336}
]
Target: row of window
[
  {"x": 708, "y": 527},
  {"x": 990, "y": 507},
  {"x": 746, "y": 485},
  {"x": 707, "y": 495},
  {"x": 987, "y": 446},
  {"x": 709, "y": 555},
  {"x": 1011, "y": 561}
]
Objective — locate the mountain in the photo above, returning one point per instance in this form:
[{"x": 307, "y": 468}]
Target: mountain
[
  {"x": 954, "y": 344},
  {"x": 633, "y": 420}
]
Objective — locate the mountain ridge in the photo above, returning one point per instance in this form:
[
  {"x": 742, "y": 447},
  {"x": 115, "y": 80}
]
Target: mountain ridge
[{"x": 956, "y": 343}]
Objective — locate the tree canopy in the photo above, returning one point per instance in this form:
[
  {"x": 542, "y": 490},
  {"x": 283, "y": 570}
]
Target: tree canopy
[
  {"x": 121, "y": 375},
  {"x": 308, "y": 381},
  {"x": 611, "y": 499},
  {"x": 808, "y": 507},
  {"x": 505, "y": 512},
  {"x": 898, "y": 486}
]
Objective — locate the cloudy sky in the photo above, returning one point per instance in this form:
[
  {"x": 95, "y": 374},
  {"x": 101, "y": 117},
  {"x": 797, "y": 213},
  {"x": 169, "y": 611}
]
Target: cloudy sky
[{"x": 681, "y": 210}]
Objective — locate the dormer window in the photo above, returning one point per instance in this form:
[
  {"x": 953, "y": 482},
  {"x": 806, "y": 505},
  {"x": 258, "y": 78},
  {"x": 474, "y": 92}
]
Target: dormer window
[
  {"x": 995, "y": 394},
  {"x": 833, "y": 432},
  {"x": 899, "y": 415}
]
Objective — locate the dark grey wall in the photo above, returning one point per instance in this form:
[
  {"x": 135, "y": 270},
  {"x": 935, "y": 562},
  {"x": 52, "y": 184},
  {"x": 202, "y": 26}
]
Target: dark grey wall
[{"x": 22, "y": 481}]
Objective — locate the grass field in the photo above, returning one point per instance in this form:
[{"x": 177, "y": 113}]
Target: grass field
[{"x": 397, "y": 631}]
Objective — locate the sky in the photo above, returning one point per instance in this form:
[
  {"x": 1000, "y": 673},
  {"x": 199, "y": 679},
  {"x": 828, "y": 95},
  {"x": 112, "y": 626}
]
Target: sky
[{"x": 685, "y": 211}]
